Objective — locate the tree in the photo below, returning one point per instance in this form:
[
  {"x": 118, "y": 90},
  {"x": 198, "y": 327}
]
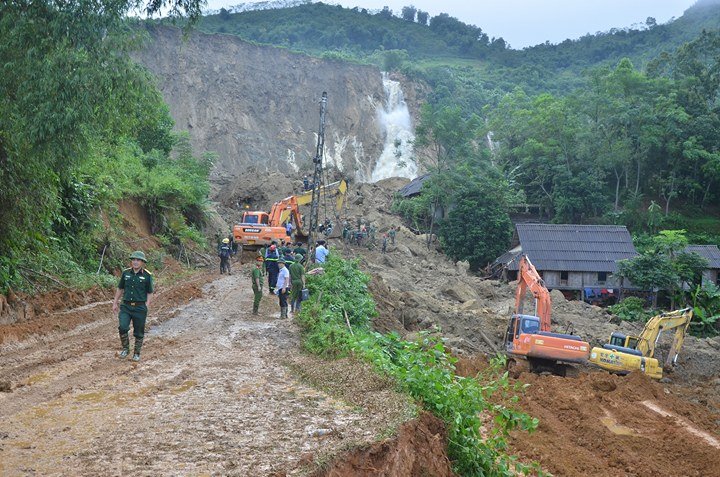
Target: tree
[
  {"x": 408, "y": 13},
  {"x": 478, "y": 228},
  {"x": 649, "y": 271},
  {"x": 422, "y": 17},
  {"x": 67, "y": 83}
]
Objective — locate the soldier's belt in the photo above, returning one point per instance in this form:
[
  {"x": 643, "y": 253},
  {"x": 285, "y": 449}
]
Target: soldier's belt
[{"x": 133, "y": 303}]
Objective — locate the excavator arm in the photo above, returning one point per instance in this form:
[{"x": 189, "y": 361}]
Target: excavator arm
[
  {"x": 624, "y": 354},
  {"x": 678, "y": 320},
  {"x": 528, "y": 278},
  {"x": 284, "y": 210},
  {"x": 335, "y": 189}
]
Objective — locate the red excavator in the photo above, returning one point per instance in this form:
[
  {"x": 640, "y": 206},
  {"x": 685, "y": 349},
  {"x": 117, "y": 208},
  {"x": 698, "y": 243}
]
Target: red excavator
[{"x": 530, "y": 337}]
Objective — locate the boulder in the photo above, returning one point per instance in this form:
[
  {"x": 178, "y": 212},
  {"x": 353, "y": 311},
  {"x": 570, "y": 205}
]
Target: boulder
[{"x": 459, "y": 291}]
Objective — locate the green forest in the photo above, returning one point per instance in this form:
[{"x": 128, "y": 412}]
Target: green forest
[{"x": 620, "y": 127}]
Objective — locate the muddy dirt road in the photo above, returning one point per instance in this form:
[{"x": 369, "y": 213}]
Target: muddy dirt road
[{"x": 213, "y": 394}]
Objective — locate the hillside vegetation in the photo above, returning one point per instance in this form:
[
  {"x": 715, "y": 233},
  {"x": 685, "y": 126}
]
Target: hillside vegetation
[{"x": 84, "y": 127}]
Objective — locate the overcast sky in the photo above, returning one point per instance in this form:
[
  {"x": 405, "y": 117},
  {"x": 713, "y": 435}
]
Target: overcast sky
[{"x": 529, "y": 22}]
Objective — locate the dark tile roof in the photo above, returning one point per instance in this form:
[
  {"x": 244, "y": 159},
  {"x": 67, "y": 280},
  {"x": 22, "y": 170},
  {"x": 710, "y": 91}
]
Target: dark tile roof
[
  {"x": 710, "y": 252},
  {"x": 414, "y": 186},
  {"x": 578, "y": 248}
]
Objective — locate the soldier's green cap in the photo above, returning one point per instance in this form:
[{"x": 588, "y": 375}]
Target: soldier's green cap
[
  {"x": 139, "y": 255},
  {"x": 282, "y": 260},
  {"x": 298, "y": 257}
]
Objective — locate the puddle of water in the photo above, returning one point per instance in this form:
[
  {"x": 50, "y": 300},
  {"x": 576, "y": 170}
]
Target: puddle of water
[
  {"x": 617, "y": 428},
  {"x": 36, "y": 378},
  {"x": 184, "y": 387},
  {"x": 91, "y": 397}
]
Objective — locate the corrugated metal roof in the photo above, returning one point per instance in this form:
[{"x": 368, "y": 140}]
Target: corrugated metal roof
[
  {"x": 709, "y": 252},
  {"x": 414, "y": 186},
  {"x": 580, "y": 248}
]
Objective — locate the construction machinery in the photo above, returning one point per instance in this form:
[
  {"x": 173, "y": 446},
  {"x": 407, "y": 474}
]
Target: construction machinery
[
  {"x": 259, "y": 228},
  {"x": 530, "y": 336},
  {"x": 624, "y": 354}
]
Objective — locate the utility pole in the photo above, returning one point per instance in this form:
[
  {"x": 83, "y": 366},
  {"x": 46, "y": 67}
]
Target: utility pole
[{"x": 317, "y": 177}]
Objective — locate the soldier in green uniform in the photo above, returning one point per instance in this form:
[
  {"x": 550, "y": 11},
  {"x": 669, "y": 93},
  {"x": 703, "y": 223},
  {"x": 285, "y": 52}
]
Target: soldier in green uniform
[
  {"x": 299, "y": 249},
  {"x": 297, "y": 283},
  {"x": 257, "y": 284},
  {"x": 136, "y": 289}
]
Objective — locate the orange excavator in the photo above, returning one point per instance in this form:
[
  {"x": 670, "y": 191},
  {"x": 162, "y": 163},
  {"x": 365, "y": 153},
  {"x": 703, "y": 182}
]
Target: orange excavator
[
  {"x": 530, "y": 336},
  {"x": 261, "y": 228}
]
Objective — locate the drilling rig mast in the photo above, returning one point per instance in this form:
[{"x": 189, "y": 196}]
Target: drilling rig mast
[{"x": 318, "y": 182}]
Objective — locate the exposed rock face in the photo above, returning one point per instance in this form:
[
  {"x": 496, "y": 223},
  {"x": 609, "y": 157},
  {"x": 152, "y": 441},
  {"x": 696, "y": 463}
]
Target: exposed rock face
[{"x": 258, "y": 106}]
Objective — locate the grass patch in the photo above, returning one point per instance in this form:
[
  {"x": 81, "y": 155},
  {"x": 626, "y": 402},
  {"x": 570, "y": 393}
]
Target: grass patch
[{"x": 477, "y": 410}]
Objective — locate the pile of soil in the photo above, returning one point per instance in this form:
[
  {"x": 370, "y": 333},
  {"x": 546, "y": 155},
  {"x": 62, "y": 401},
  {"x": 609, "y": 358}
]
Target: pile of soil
[
  {"x": 417, "y": 449},
  {"x": 622, "y": 425}
]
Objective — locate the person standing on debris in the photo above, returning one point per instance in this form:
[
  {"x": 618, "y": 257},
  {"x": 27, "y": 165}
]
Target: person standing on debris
[
  {"x": 392, "y": 235},
  {"x": 282, "y": 286},
  {"x": 257, "y": 284},
  {"x": 136, "y": 288},
  {"x": 297, "y": 282},
  {"x": 384, "y": 243},
  {"x": 321, "y": 252},
  {"x": 233, "y": 244},
  {"x": 271, "y": 266},
  {"x": 306, "y": 183},
  {"x": 288, "y": 228},
  {"x": 224, "y": 253}
]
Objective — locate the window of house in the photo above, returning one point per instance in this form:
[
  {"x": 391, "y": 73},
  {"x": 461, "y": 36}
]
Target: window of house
[
  {"x": 564, "y": 277},
  {"x": 602, "y": 277}
]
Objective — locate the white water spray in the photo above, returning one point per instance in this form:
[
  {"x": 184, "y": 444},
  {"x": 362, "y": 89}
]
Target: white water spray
[{"x": 397, "y": 158}]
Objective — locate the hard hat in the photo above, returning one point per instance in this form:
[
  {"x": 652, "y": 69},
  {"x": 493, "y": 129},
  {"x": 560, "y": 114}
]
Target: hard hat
[
  {"x": 139, "y": 255},
  {"x": 272, "y": 247},
  {"x": 298, "y": 257},
  {"x": 226, "y": 240}
]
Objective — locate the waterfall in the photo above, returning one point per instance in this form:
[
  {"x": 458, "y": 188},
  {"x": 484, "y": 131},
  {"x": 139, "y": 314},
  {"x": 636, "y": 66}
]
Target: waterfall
[{"x": 397, "y": 158}]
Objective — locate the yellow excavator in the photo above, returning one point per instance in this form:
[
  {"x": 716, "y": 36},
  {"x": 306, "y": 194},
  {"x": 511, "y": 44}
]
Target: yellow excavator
[{"x": 624, "y": 354}]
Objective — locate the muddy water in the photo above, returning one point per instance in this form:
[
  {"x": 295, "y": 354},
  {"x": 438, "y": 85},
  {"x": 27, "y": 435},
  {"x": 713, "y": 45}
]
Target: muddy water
[{"x": 211, "y": 396}]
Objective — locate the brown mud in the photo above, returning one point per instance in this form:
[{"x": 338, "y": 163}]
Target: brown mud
[{"x": 218, "y": 391}]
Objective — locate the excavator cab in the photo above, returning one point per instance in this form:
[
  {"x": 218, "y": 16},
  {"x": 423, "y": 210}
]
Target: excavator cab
[
  {"x": 624, "y": 341},
  {"x": 521, "y": 324}
]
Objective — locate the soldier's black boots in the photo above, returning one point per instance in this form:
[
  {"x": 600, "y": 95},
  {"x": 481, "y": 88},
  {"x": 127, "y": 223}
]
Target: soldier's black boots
[{"x": 125, "y": 343}]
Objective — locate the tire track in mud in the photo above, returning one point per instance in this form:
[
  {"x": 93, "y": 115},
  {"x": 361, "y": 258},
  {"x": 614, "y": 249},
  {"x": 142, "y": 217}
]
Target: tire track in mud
[{"x": 210, "y": 396}]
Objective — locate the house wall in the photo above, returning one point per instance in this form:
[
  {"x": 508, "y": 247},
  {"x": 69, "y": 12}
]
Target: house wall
[
  {"x": 578, "y": 280},
  {"x": 711, "y": 276}
]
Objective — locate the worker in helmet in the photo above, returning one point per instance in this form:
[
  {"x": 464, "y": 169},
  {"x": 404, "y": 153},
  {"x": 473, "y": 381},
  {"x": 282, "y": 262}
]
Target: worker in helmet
[
  {"x": 271, "y": 265},
  {"x": 224, "y": 253}
]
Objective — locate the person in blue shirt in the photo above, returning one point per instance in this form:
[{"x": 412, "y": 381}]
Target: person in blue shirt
[{"x": 321, "y": 252}]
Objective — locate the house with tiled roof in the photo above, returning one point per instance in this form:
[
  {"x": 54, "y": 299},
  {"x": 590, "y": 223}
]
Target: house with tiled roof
[{"x": 571, "y": 257}]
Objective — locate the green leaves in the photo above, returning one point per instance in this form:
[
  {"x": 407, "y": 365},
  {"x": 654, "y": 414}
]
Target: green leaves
[{"x": 422, "y": 368}]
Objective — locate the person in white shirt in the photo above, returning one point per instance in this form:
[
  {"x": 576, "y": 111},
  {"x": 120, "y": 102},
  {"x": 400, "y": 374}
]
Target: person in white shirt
[
  {"x": 321, "y": 252},
  {"x": 282, "y": 287}
]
